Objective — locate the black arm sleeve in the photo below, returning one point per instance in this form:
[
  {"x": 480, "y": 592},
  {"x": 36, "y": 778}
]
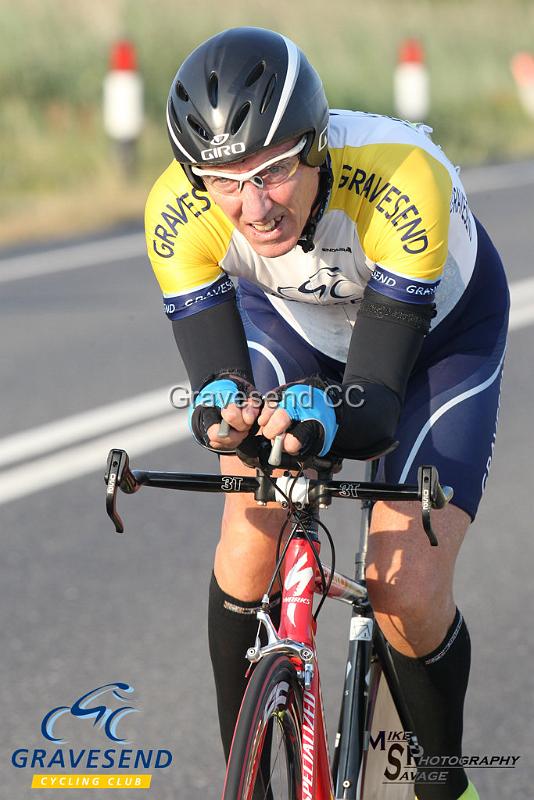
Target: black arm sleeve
[
  {"x": 386, "y": 341},
  {"x": 212, "y": 341}
]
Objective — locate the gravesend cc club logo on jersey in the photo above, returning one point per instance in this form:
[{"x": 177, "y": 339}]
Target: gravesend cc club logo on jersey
[
  {"x": 326, "y": 285},
  {"x": 102, "y": 714}
]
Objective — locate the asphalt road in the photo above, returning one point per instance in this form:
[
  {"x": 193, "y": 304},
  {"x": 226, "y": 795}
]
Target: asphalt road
[{"x": 81, "y": 607}]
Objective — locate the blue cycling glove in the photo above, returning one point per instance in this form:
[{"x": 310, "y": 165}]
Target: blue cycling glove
[
  {"x": 215, "y": 394},
  {"x": 312, "y": 409}
]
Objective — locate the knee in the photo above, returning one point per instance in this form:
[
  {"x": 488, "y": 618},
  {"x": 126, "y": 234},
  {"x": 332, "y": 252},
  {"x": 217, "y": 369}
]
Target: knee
[
  {"x": 245, "y": 525},
  {"x": 245, "y": 556},
  {"x": 410, "y": 600},
  {"x": 410, "y": 584},
  {"x": 414, "y": 615}
]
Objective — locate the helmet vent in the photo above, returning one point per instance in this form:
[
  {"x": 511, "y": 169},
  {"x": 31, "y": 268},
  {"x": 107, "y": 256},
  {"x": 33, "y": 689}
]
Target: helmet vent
[
  {"x": 267, "y": 97},
  {"x": 239, "y": 118},
  {"x": 255, "y": 74},
  {"x": 174, "y": 118},
  {"x": 181, "y": 92},
  {"x": 198, "y": 128},
  {"x": 213, "y": 89}
]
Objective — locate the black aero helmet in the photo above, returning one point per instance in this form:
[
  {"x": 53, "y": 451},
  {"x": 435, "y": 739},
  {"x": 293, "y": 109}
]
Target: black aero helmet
[{"x": 240, "y": 91}]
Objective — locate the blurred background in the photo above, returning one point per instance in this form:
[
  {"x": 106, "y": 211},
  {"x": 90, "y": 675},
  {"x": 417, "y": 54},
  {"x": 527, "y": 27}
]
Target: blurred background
[
  {"x": 87, "y": 359},
  {"x": 59, "y": 174}
]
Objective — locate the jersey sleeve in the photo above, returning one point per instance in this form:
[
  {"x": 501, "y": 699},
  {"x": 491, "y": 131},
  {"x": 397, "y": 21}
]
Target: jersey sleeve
[
  {"x": 399, "y": 197},
  {"x": 187, "y": 237}
]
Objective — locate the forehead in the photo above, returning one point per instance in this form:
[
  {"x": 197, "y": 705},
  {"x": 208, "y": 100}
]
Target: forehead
[{"x": 251, "y": 162}]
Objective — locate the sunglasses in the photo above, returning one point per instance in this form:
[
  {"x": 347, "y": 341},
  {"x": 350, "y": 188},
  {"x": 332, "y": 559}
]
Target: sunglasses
[{"x": 266, "y": 176}]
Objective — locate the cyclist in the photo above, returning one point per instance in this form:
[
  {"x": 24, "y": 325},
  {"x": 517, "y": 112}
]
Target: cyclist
[{"x": 359, "y": 266}]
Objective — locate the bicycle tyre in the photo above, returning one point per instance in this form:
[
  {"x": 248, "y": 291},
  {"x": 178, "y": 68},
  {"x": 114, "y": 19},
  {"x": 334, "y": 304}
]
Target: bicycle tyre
[{"x": 268, "y": 730}]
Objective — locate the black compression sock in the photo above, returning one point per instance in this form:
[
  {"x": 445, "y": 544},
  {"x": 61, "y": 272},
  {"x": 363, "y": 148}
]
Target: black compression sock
[
  {"x": 434, "y": 687},
  {"x": 232, "y": 628}
]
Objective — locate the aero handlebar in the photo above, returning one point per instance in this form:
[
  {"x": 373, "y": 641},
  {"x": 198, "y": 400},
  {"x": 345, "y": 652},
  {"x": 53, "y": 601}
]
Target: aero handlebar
[{"x": 301, "y": 491}]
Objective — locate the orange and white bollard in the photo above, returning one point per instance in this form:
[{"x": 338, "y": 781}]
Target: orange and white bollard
[
  {"x": 123, "y": 103},
  {"x": 411, "y": 83},
  {"x": 522, "y": 65}
]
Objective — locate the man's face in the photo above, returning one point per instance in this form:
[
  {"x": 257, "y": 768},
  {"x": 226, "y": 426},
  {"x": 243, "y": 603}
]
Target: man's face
[{"x": 270, "y": 219}]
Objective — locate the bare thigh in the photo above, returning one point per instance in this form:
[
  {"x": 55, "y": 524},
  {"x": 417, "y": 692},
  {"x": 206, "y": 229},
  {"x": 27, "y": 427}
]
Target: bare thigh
[
  {"x": 245, "y": 555},
  {"x": 411, "y": 583}
]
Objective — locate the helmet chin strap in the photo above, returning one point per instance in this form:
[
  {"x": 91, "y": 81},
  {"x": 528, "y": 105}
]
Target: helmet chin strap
[{"x": 318, "y": 207}]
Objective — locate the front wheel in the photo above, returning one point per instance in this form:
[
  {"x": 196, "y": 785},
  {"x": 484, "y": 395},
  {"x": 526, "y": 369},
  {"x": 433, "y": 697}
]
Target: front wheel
[{"x": 265, "y": 759}]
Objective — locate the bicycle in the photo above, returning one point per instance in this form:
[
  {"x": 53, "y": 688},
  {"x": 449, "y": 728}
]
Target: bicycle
[{"x": 280, "y": 746}]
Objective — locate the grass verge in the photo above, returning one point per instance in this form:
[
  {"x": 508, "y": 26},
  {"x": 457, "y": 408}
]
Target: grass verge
[{"x": 59, "y": 174}]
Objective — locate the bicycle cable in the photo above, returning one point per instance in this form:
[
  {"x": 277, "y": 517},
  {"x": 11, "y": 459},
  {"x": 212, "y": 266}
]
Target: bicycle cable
[{"x": 301, "y": 517}]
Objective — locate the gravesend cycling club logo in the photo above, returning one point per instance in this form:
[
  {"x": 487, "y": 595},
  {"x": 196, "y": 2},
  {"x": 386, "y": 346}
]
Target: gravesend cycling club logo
[
  {"x": 327, "y": 285},
  {"x": 107, "y": 708},
  {"x": 107, "y": 718}
]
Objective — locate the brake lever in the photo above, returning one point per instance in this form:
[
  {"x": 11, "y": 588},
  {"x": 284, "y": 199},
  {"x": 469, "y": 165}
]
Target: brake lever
[
  {"x": 118, "y": 475},
  {"x": 426, "y": 479},
  {"x": 432, "y": 495}
]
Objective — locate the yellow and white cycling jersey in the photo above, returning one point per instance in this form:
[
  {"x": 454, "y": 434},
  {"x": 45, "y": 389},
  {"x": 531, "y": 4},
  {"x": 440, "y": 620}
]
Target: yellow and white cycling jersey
[{"x": 397, "y": 218}]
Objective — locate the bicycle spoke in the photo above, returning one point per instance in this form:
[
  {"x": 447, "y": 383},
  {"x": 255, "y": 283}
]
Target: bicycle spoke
[{"x": 276, "y": 763}]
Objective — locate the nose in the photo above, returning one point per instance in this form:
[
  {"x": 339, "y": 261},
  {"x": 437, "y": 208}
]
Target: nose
[{"x": 255, "y": 203}]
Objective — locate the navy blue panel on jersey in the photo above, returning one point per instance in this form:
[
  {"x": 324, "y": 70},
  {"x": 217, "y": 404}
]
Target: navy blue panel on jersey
[
  {"x": 450, "y": 413},
  {"x": 278, "y": 354},
  {"x": 399, "y": 287},
  {"x": 183, "y": 305}
]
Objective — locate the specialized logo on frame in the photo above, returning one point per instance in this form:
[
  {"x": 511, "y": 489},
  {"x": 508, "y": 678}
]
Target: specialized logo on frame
[{"x": 297, "y": 579}]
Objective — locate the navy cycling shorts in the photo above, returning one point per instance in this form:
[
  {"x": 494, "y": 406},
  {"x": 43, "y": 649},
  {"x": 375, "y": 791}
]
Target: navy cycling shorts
[{"x": 450, "y": 413}]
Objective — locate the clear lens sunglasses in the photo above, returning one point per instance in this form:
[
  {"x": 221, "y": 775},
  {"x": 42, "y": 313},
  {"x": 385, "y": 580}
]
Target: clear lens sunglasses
[{"x": 267, "y": 176}]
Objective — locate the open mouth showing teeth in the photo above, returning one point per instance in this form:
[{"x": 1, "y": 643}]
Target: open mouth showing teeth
[{"x": 269, "y": 226}]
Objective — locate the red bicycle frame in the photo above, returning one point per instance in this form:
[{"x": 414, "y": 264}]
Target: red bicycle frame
[{"x": 301, "y": 579}]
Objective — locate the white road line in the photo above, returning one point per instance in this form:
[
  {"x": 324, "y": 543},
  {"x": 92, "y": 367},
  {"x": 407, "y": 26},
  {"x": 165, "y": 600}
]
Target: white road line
[
  {"x": 522, "y": 292},
  {"x": 77, "y": 427},
  {"x": 91, "y": 457},
  {"x": 522, "y": 308},
  {"x": 118, "y": 248},
  {"x": 170, "y": 429},
  {"x": 521, "y": 318},
  {"x": 47, "y": 262}
]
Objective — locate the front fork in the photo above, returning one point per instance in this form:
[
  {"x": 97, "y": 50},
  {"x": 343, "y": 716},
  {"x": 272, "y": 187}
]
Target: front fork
[{"x": 353, "y": 722}]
